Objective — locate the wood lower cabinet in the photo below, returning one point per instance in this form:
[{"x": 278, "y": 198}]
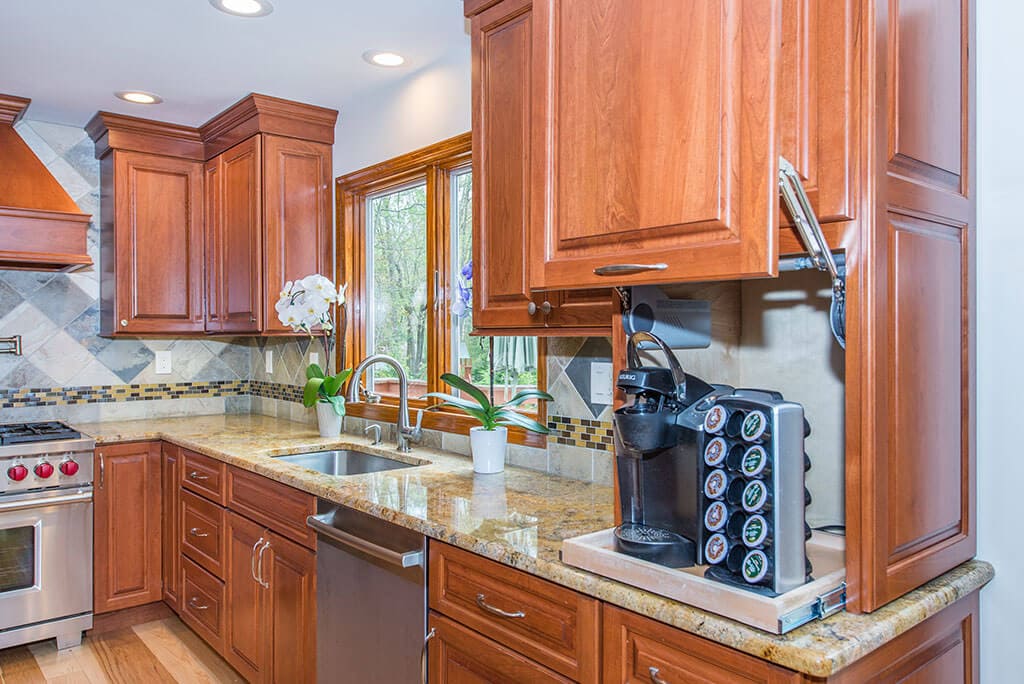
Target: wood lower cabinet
[
  {"x": 170, "y": 561},
  {"x": 127, "y": 532},
  {"x": 246, "y": 645}
]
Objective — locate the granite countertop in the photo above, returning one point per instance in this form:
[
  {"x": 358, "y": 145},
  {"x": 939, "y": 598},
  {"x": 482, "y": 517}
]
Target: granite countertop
[{"x": 520, "y": 518}]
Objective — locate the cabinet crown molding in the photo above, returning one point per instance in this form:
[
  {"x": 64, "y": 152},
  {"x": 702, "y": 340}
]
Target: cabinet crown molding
[
  {"x": 130, "y": 133},
  {"x": 12, "y": 108},
  {"x": 256, "y": 113}
]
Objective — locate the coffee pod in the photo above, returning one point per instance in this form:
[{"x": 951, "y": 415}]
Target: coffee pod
[
  {"x": 757, "y": 567},
  {"x": 715, "y": 484},
  {"x": 808, "y": 532},
  {"x": 755, "y": 462},
  {"x": 734, "y": 425},
  {"x": 714, "y": 452},
  {"x": 734, "y": 460},
  {"x": 716, "y": 516},
  {"x": 756, "y": 531},
  {"x": 734, "y": 494},
  {"x": 734, "y": 559},
  {"x": 755, "y": 496},
  {"x": 716, "y": 549},
  {"x": 755, "y": 426},
  {"x": 807, "y": 462},
  {"x": 715, "y": 419},
  {"x": 807, "y": 497}
]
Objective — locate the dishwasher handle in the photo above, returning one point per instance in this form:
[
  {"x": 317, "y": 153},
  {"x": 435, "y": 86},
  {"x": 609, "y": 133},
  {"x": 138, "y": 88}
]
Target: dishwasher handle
[{"x": 407, "y": 559}]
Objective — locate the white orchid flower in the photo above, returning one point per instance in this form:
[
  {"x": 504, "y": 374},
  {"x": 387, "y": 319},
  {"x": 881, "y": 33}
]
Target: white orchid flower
[
  {"x": 286, "y": 291},
  {"x": 341, "y": 293},
  {"x": 318, "y": 285}
]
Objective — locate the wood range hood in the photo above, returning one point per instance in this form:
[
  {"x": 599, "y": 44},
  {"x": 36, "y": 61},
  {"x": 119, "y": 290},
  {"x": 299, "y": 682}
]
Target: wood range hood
[{"x": 41, "y": 227}]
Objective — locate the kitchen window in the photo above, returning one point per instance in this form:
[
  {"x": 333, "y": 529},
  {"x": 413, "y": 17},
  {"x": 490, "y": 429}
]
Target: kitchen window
[{"x": 405, "y": 248}]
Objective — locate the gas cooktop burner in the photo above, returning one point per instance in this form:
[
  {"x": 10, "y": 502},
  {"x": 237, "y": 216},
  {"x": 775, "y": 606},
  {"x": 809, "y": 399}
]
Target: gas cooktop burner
[{"x": 18, "y": 433}]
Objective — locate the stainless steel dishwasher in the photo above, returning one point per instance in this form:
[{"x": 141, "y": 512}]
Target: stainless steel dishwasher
[{"x": 371, "y": 598}]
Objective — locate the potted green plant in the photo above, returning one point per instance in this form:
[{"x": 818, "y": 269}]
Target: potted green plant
[
  {"x": 307, "y": 305},
  {"x": 488, "y": 441}
]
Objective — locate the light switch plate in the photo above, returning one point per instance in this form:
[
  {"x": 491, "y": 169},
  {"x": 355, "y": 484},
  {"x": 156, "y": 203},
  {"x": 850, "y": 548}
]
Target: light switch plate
[
  {"x": 314, "y": 357},
  {"x": 268, "y": 362},
  {"x": 163, "y": 362},
  {"x": 601, "y": 383}
]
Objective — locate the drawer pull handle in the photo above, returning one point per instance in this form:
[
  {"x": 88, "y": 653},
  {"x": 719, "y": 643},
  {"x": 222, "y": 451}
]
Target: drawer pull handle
[
  {"x": 628, "y": 269},
  {"x": 196, "y": 533},
  {"x": 481, "y": 601},
  {"x": 194, "y": 603},
  {"x": 654, "y": 677},
  {"x": 196, "y": 475}
]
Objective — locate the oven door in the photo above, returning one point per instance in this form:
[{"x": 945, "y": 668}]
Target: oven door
[{"x": 45, "y": 557}]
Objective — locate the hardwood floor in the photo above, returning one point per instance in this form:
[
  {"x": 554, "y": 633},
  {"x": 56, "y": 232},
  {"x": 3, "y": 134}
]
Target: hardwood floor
[{"x": 158, "y": 651}]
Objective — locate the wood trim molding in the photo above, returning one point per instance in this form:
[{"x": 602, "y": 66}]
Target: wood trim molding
[
  {"x": 446, "y": 153},
  {"x": 130, "y": 133},
  {"x": 256, "y": 113},
  {"x": 12, "y": 108}
]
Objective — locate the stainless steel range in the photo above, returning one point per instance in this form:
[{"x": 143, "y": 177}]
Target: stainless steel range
[{"x": 45, "y": 533}]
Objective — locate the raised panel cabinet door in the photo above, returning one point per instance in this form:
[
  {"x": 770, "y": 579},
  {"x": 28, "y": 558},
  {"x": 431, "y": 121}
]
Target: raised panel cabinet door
[
  {"x": 247, "y": 638},
  {"x": 170, "y": 455},
  {"x": 236, "y": 277},
  {"x": 819, "y": 110},
  {"x": 297, "y": 216},
  {"x": 639, "y": 650},
  {"x": 290, "y": 570},
  {"x": 158, "y": 234},
  {"x": 127, "y": 530},
  {"x": 658, "y": 160}
]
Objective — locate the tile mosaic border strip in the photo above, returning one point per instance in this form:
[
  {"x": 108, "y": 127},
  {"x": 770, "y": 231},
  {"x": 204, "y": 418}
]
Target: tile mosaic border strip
[
  {"x": 98, "y": 394},
  {"x": 274, "y": 390},
  {"x": 581, "y": 432}
]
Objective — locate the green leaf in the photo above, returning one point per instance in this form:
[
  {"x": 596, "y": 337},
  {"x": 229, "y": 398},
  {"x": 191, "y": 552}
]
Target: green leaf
[
  {"x": 311, "y": 392},
  {"x": 509, "y": 417},
  {"x": 338, "y": 402},
  {"x": 467, "y": 387},
  {"x": 332, "y": 385},
  {"x": 314, "y": 370},
  {"x": 526, "y": 395},
  {"x": 458, "y": 402}
]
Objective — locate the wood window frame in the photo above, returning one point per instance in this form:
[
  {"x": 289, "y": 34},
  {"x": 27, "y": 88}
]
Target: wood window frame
[{"x": 435, "y": 164}]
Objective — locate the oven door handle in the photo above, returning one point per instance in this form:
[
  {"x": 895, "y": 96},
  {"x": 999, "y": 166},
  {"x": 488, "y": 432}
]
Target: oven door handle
[{"x": 6, "y": 506}]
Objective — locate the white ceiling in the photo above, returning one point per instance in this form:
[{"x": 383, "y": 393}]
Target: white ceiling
[{"x": 69, "y": 56}]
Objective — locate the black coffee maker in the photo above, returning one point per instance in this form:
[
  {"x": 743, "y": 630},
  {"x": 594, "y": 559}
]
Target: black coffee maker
[{"x": 657, "y": 453}]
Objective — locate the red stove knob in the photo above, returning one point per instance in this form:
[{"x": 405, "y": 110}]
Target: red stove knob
[
  {"x": 44, "y": 470},
  {"x": 17, "y": 472},
  {"x": 69, "y": 468}
]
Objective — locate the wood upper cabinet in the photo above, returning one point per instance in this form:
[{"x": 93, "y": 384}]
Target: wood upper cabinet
[
  {"x": 127, "y": 526},
  {"x": 153, "y": 248},
  {"x": 170, "y": 501},
  {"x": 234, "y": 239},
  {"x": 504, "y": 122},
  {"x": 658, "y": 144},
  {"x": 297, "y": 216}
]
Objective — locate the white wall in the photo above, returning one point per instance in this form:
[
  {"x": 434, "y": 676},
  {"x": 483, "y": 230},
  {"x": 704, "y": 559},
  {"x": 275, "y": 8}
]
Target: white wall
[
  {"x": 430, "y": 105},
  {"x": 1000, "y": 329}
]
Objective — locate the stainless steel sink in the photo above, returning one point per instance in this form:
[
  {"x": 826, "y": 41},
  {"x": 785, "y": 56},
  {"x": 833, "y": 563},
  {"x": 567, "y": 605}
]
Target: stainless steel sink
[{"x": 344, "y": 462}]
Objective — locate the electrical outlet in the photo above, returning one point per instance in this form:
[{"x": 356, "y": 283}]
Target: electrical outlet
[
  {"x": 601, "y": 383},
  {"x": 163, "y": 362},
  {"x": 314, "y": 357},
  {"x": 268, "y": 362}
]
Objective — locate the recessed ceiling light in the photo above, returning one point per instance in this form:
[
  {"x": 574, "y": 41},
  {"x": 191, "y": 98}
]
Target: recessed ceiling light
[
  {"x": 244, "y": 8},
  {"x": 139, "y": 97},
  {"x": 383, "y": 58}
]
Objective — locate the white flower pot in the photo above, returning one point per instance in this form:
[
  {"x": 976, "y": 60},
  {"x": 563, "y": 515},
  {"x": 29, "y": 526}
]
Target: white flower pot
[
  {"x": 328, "y": 421},
  {"x": 488, "y": 447}
]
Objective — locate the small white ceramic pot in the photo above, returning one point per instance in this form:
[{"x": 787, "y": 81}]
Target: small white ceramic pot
[
  {"x": 327, "y": 420},
  {"x": 488, "y": 447}
]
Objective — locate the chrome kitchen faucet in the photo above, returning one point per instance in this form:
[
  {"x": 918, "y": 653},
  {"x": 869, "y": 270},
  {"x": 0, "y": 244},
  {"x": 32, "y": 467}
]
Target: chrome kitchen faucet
[{"x": 405, "y": 432}]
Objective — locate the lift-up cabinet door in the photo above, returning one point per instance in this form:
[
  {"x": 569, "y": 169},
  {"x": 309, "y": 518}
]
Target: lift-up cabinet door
[{"x": 659, "y": 146}]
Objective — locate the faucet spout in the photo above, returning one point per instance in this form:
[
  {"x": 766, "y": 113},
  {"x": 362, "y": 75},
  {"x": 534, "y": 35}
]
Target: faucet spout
[{"x": 405, "y": 431}]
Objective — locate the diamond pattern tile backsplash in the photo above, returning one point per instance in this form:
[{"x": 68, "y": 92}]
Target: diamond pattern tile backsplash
[{"x": 57, "y": 315}]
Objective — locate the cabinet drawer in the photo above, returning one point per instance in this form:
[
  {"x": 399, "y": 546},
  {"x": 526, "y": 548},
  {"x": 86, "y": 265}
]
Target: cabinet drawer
[
  {"x": 282, "y": 508},
  {"x": 203, "y": 475},
  {"x": 550, "y": 624},
  {"x": 458, "y": 654},
  {"x": 202, "y": 532},
  {"x": 202, "y": 603},
  {"x": 639, "y": 650}
]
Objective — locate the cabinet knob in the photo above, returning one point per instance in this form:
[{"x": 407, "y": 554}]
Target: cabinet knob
[
  {"x": 124, "y": 323},
  {"x": 252, "y": 319},
  {"x": 544, "y": 308}
]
